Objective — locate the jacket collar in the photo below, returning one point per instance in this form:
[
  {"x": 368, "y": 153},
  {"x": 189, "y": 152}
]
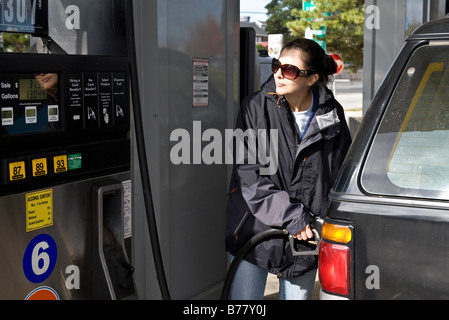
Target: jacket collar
[
  {"x": 269, "y": 87},
  {"x": 326, "y": 116}
]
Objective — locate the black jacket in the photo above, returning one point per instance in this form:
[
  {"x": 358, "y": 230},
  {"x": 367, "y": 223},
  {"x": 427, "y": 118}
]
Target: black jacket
[{"x": 298, "y": 190}]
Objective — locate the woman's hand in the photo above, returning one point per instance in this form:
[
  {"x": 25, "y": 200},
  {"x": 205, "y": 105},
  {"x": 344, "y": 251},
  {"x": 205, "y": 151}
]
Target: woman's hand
[{"x": 305, "y": 234}]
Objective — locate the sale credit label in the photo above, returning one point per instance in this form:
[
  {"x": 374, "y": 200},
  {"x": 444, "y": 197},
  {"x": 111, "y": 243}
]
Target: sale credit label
[{"x": 39, "y": 210}]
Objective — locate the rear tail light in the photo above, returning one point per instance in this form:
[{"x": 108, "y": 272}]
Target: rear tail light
[
  {"x": 334, "y": 262},
  {"x": 334, "y": 268}
]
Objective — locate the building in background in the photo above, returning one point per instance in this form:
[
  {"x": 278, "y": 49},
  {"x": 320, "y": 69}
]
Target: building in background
[
  {"x": 383, "y": 40},
  {"x": 259, "y": 27}
]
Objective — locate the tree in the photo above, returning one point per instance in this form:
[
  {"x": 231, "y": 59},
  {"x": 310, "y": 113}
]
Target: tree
[
  {"x": 279, "y": 13},
  {"x": 344, "y": 22},
  {"x": 15, "y": 42}
]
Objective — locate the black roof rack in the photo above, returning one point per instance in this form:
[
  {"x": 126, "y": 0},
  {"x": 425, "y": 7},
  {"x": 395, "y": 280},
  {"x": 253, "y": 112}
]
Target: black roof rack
[{"x": 435, "y": 29}]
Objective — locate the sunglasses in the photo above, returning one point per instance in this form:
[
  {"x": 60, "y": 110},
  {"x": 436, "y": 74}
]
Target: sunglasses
[{"x": 290, "y": 71}]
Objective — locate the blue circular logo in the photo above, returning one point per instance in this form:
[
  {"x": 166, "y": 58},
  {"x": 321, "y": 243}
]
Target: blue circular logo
[{"x": 40, "y": 258}]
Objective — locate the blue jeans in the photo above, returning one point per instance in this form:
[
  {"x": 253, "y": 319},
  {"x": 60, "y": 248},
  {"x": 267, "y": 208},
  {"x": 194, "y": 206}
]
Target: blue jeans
[{"x": 250, "y": 280}]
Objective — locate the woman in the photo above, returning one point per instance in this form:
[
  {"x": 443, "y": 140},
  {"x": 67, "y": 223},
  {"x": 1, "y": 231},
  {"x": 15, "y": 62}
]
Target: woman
[{"x": 312, "y": 141}]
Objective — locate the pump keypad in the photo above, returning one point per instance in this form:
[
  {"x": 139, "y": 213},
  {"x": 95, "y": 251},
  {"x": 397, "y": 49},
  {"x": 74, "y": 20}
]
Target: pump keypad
[
  {"x": 62, "y": 119},
  {"x": 40, "y": 166},
  {"x": 97, "y": 99}
]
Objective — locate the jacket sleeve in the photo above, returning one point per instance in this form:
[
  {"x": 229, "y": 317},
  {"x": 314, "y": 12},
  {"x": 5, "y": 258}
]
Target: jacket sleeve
[{"x": 268, "y": 203}]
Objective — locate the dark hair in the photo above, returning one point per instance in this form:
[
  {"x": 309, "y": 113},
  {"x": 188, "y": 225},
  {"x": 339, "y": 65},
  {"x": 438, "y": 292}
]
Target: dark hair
[{"x": 316, "y": 58}]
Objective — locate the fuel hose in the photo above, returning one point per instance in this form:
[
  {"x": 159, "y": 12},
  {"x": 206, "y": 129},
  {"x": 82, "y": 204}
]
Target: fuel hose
[
  {"x": 316, "y": 226},
  {"x": 254, "y": 241},
  {"x": 142, "y": 156}
]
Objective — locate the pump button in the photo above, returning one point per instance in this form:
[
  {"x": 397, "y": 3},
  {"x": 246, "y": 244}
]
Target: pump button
[
  {"x": 60, "y": 164},
  {"x": 39, "y": 167},
  {"x": 17, "y": 171}
]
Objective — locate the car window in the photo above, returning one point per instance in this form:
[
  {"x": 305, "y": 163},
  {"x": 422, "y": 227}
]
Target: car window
[{"x": 410, "y": 153}]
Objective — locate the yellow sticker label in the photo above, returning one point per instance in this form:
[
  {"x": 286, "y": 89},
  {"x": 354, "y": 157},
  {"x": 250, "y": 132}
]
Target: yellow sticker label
[
  {"x": 17, "y": 171},
  {"x": 39, "y": 208},
  {"x": 39, "y": 167},
  {"x": 60, "y": 164}
]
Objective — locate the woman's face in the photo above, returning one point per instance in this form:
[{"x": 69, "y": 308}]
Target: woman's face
[{"x": 299, "y": 85}]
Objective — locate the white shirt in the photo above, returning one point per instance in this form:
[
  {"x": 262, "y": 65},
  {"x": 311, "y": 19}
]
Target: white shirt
[{"x": 302, "y": 118}]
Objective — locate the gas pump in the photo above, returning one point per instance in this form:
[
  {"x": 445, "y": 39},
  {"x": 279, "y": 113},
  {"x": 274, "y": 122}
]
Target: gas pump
[{"x": 65, "y": 189}]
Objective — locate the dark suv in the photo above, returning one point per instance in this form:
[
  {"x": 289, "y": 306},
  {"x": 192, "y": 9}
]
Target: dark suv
[{"x": 386, "y": 235}]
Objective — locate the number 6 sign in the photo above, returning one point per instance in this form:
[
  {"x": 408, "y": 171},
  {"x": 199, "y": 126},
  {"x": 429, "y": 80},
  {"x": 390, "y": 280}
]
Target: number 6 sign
[{"x": 40, "y": 258}]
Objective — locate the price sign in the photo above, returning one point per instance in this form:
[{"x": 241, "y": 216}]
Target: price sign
[{"x": 24, "y": 16}]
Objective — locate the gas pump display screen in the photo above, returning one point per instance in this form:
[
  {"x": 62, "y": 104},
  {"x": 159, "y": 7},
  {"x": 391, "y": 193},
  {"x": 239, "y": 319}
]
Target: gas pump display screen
[
  {"x": 30, "y": 89},
  {"x": 29, "y": 103}
]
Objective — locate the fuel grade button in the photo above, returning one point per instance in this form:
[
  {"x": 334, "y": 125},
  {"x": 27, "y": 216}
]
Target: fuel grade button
[
  {"x": 60, "y": 164},
  {"x": 39, "y": 167},
  {"x": 17, "y": 171}
]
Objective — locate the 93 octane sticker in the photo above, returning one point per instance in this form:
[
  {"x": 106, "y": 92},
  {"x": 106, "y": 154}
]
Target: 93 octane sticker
[{"x": 60, "y": 164}]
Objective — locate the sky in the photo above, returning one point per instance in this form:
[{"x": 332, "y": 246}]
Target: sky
[{"x": 255, "y": 9}]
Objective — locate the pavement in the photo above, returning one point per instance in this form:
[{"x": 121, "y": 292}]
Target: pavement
[{"x": 350, "y": 95}]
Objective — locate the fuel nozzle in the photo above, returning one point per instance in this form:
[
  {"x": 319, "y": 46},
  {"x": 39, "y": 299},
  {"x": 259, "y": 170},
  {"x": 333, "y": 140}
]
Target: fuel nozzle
[{"x": 317, "y": 226}]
